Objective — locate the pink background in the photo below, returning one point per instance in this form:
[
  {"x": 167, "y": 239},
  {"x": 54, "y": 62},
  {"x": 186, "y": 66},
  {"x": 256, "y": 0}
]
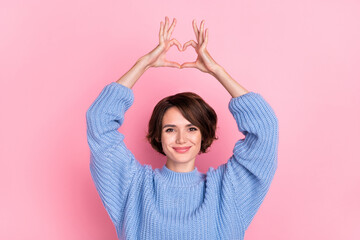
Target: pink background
[{"x": 301, "y": 56}]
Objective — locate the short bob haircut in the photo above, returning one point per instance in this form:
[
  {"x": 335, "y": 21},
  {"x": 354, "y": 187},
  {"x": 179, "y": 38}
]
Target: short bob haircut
[{"x": 194, "y": 109}]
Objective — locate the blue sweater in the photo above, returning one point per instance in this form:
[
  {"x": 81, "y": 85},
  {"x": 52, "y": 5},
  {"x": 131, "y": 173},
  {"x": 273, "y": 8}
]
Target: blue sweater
[{"x": 162, "y": 204}]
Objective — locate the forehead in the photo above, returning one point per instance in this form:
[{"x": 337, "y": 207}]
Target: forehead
[{"x": 174, "y": 116}]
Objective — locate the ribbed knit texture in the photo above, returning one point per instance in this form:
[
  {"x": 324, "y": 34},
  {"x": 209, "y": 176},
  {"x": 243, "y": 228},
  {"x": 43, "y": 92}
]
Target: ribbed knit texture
[{"x": 162, "y": 204}]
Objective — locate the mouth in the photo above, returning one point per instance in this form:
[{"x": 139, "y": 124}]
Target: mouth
[{"x": 181, "y": 149}]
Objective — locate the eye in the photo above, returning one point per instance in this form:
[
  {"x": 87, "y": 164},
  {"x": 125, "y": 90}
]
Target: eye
[
  {"x": 169, "y": 130},
  {"x": 193, "y": 129}
]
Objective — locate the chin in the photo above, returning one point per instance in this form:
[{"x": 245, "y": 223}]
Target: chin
[{"x": 183, "y": 158}]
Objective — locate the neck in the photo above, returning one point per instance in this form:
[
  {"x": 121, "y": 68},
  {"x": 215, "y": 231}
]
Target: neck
[{"x": 181, "y": 167}]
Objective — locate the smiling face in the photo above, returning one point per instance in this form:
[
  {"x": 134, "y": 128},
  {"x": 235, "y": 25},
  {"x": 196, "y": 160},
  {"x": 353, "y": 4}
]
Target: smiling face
[{"x": 181, "y": 140}]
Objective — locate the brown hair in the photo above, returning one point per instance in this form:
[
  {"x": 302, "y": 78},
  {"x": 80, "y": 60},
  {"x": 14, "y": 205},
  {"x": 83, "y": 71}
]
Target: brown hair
[{"x": 194, "y": 109}]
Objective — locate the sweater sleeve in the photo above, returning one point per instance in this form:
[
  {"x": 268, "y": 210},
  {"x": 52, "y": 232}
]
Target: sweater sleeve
[
  {"x": 112, "y": 165},
  {"x": 252, "y": 166}
]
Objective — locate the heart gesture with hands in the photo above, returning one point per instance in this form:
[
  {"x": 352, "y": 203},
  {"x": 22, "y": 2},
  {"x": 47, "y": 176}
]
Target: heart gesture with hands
[{"x": 204, "y": 62}]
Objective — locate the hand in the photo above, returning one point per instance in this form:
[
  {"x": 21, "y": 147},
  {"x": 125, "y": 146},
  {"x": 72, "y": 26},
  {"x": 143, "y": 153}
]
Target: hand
[
  {"x": 156, "y": 58},
  {"x": 204, "y": 61}
]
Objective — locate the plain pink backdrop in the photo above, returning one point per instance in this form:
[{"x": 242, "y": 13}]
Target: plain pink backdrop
[{"x": 301, "y": 56}]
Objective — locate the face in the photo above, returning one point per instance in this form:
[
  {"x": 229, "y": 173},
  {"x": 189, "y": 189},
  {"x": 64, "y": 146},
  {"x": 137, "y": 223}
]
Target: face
[{"x": 181, "y": 140}]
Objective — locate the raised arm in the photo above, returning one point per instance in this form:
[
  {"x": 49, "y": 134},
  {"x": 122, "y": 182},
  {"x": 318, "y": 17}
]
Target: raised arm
[
  {"x": 254, "y": 161},
  {"x": 112, "y": 165},
  {"x": 252, "y": 166}
]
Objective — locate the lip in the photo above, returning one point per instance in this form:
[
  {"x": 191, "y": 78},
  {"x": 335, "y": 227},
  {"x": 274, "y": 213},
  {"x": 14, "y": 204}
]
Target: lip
[{"x": 181, "y": 149}]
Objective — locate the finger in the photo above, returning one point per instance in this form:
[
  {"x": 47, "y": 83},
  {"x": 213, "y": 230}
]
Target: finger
[
  {"x": 201, "y": 36},
  {"x": 188, "y": 65},
  {"x": 176, "y": 42},
  {"x": 206, "y": 38},
  {"x": 166, "y": 26},
  {"x": 161, "y": 32},
  {"x": 191, "y": 42},
  {"x": 171, "y": 64},
  {"x": 171, "y": 28},
  {"x": 196, "y": 31}
]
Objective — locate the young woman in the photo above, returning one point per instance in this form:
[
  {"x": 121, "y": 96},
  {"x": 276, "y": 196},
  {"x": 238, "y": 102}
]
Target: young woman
[{"x": 177, "y": 201}]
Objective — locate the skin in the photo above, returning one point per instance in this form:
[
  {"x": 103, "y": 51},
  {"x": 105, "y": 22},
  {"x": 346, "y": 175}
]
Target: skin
[
  {"x": 204, "y": 62},
  {"x": 177, "y": 133}
]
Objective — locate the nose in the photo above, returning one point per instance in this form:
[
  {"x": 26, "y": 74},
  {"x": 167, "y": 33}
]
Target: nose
[{"x": 181, "y": 137}]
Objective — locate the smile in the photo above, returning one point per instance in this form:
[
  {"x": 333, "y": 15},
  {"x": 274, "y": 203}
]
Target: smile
[{"x": 181, "y": 149}]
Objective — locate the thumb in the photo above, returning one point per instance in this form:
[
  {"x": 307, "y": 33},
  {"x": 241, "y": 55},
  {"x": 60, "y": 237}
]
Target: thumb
[
  {"x": 171, "y": 64},
  {"x": 188, "y": 65}
]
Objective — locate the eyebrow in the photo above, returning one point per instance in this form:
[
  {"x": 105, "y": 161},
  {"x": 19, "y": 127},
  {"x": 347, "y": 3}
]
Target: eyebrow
[{"x": 172, "y": 125}]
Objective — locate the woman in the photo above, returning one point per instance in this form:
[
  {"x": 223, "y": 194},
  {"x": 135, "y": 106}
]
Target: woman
[{"x": 177, "y": 201}]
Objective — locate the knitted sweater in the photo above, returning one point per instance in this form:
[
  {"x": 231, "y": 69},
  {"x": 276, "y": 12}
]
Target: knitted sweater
[{"x": 163, "y": 204}]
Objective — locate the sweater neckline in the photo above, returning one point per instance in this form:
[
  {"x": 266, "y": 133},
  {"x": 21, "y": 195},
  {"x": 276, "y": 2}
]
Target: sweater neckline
[{"x": 182, "y": 179}]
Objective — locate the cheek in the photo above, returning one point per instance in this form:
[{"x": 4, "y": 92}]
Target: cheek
[
  {"x": 196, "y": 138},
  {"x": 167, "y": 139}
]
